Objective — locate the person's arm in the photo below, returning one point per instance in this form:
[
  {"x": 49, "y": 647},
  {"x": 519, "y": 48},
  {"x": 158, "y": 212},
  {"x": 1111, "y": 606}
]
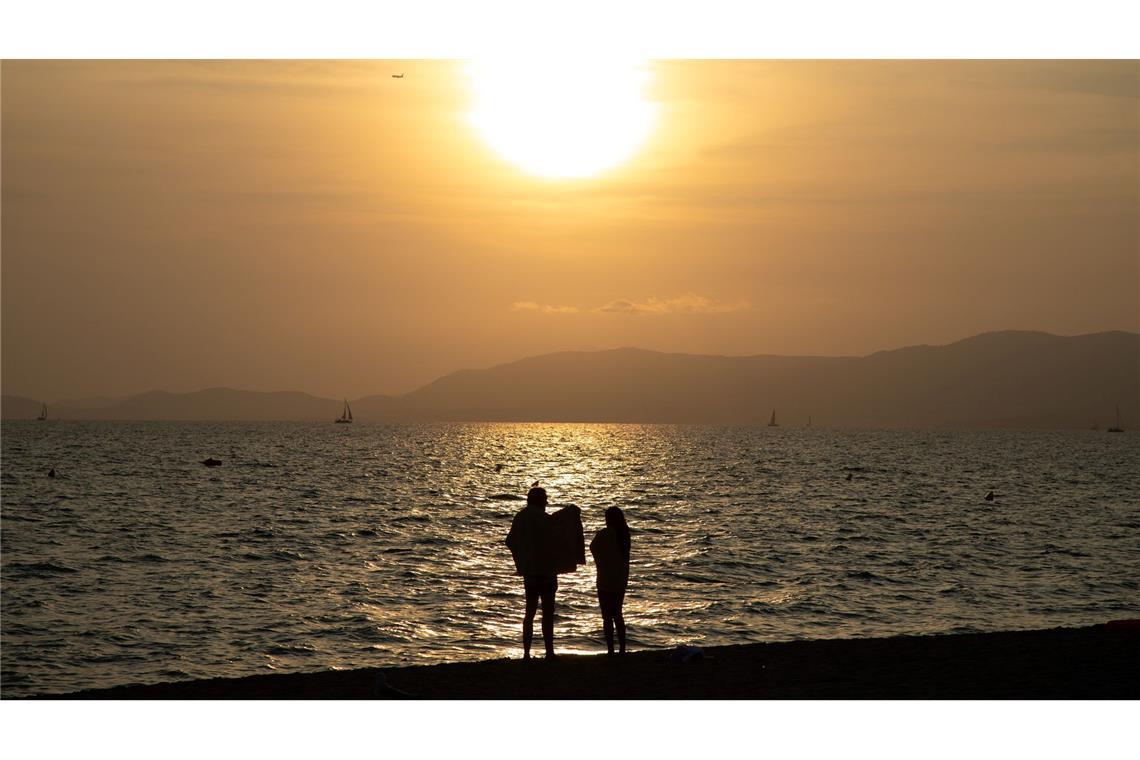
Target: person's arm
[{"x": 513, "y": 535}]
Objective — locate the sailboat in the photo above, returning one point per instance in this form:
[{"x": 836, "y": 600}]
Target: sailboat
[
  {"x": 346, "y": 415},
  {"x": 809, "y": 421},
  {"x": 1117, "y": 428},
  {"x": 772, "y": 422},
  {"x": 43, "y": 413}
]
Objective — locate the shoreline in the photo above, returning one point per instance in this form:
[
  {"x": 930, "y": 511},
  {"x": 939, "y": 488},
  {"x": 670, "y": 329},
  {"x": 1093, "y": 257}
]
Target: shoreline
[{"x": 1094, "y": 662}]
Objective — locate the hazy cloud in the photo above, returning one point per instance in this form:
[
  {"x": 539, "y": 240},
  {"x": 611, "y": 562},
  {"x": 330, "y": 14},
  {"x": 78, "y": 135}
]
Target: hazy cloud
[
  {"x": 686, "y": 304},
  {"x": 689, "y": 303},
  {"x": 290, "y": 78},
  {"x": 544, "y": 308}
]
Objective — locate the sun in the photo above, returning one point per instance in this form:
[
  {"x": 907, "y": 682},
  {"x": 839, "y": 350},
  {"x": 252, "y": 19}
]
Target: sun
[{"x": 559, "y": 118}]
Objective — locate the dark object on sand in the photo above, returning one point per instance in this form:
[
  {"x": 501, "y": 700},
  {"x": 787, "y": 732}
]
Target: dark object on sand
[
  {"x": 990, "y": 496},
  {"x": 211, "y": 462},
  {"x": 687, "y": 653},
  {"x": 51, "y": 473},
  {"x": 385, "y": 690}
]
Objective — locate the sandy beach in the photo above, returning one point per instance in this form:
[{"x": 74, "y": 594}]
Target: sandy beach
[{"x": 1096, "y": 662}]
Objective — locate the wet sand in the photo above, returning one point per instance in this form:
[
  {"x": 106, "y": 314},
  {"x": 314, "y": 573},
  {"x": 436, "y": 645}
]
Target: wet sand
[{"x": 1097, "y": 662}]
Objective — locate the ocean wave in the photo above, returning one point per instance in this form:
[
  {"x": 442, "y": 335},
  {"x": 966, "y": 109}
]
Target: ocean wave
[{"x": 37, "y": 569}]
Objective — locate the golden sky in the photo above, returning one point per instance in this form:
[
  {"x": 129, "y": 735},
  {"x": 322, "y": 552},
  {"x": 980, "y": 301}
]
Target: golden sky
[{"x": 323, "y": 226}]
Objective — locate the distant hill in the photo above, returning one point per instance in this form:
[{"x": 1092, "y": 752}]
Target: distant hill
[
  {"x": 19, "y": 407},
  {"x": 1002, "y": 379},
  {"x": 209, "y": 404}
]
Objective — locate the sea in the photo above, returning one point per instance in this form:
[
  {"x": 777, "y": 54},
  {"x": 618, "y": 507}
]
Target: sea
[{"x": 321, "y": 546}]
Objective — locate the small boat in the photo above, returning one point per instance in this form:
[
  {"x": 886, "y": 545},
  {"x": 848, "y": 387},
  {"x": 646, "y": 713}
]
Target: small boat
[
  {"x": 43, "y": 413},
  {"x": 772, "y": 422},
  {"x": 346, "y": 415},
  {"x": 1117, "y": 428}
]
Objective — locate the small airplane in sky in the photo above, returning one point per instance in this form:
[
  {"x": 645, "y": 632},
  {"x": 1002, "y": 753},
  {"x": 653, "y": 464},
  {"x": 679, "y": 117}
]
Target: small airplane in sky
[{"x": 397, "y": 76}]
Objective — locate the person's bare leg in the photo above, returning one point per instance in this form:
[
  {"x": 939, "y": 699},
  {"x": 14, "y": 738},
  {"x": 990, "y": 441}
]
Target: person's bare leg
[
  {"x": 620, "y": 619},
  {"x": 528, "y": 622},
  {"x": 607, "y": 620},
  {"x": 548, "y": 623}
]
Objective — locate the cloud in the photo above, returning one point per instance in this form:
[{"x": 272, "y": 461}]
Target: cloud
[
  {"x": 247, "y": 78},
  {"x": 689, "y": 303},
  {"x": 544, "y": 308},
  {"x": 619, "y": 306}
]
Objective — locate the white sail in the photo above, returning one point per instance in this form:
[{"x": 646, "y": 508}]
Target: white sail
[{"x": 1116, "y": 428}]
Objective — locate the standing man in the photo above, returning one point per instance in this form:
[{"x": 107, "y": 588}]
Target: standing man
[{"x": 530, "y": 542}]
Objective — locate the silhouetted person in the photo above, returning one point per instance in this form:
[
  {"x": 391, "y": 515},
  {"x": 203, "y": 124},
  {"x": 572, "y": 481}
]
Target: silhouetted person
[
  {"x": 530, "y": 543},
  {"x": 610, "y": 548},
  {"x": 51, "y": 473},
  {"x": 849, "y": 476}
]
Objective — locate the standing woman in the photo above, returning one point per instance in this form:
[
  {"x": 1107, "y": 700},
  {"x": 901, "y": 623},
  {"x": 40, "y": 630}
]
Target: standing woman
[{"x": 610, "y": 548}]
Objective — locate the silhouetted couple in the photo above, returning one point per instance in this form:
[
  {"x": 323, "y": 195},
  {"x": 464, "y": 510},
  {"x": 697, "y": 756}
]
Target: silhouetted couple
[{"x": 545, "y": 546}]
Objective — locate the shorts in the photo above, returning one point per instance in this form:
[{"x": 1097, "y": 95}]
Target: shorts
[
  {"x": 611, "y": 602},
  {"x": 540, "y": 584}
]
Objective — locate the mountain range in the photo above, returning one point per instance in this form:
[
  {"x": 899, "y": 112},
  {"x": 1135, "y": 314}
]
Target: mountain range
[{"x": 1009, "y": 379}]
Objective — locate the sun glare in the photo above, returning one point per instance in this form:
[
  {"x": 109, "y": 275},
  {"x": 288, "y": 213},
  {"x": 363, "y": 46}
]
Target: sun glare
[{"x": 560, "y": 118}]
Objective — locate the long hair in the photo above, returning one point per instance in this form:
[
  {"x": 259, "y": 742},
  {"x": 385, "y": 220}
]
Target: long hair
[{"x": 615, "y": 520}]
